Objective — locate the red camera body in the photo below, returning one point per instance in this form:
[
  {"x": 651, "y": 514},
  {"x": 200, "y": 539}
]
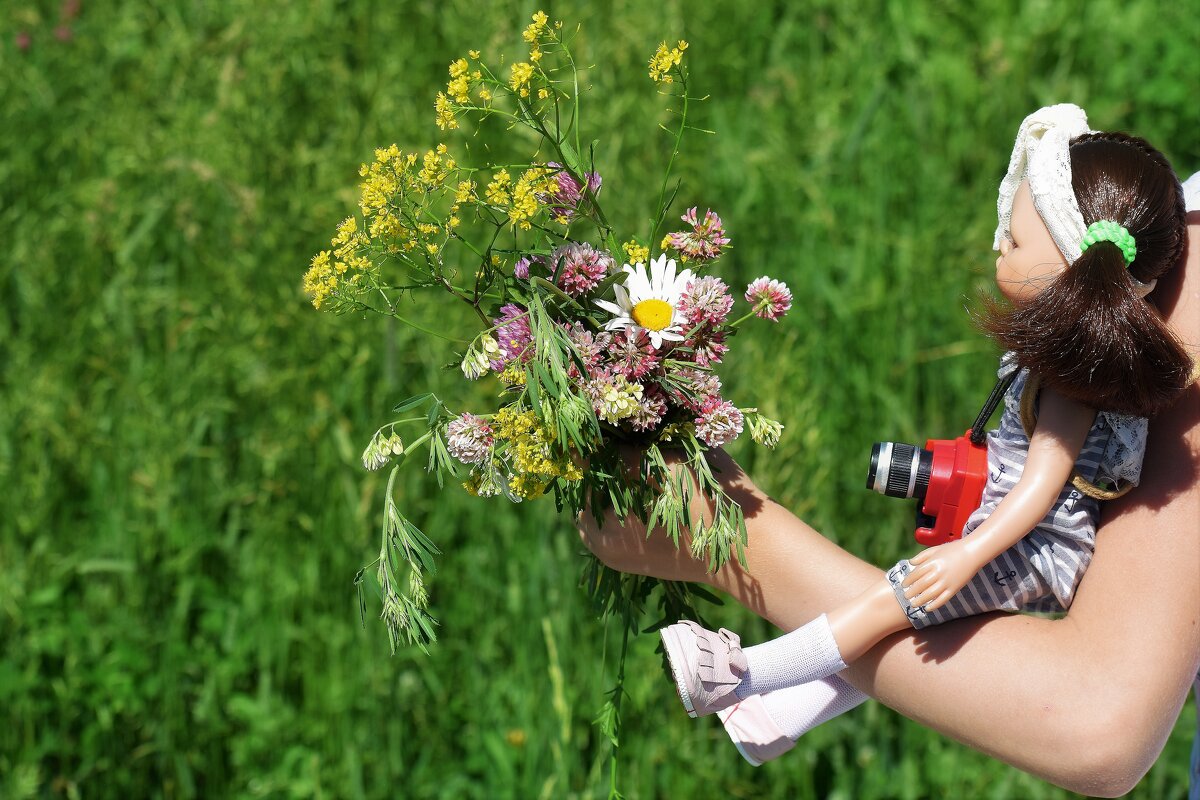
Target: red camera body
[{"x": 957, "y": 476}]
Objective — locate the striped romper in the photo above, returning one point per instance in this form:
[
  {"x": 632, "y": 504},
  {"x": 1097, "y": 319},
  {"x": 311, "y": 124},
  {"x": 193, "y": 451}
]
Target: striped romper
[{"x": 1040, "y": 572}]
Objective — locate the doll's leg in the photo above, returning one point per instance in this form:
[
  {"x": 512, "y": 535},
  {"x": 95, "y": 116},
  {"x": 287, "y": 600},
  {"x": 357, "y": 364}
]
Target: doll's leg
[
  {"x": 825, "y": 645},
  {"x": 799, "y": 709},
  {"x": 765, "y": 726},
  {"x": 712, "y": 670}
]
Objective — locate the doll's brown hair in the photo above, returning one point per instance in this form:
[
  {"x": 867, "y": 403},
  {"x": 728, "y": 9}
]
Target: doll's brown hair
[{"x": 1088, "y": 334}]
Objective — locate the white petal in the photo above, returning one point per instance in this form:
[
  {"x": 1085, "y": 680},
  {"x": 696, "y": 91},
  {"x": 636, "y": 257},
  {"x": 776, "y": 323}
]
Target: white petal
[
  {"x": 656, "y": 272},
  {"x": 612, "y": 308},
  {"x": 622, "y": 297},
  {"x": 670, "y": 335},
  {"x": 639, "y": 287},
  {"x": 669, "y": 278},
  {"x": 619, "y": 322},
  {"x": 655, "y": 339},
  {"x": 682, "y": 281}
]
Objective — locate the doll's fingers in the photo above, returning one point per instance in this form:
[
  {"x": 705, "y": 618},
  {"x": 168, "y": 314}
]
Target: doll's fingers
[
  {"x": 922, "y": 599},
  {"x": 920, "y": 585},
  {"x": 928, "y": 590},
  {"x": 919, "y": 558},
  {"x": 925, "y": 597},
  {"x": 918, "y": 572},
  {"x": 939, "y": 601},
  {"x": 913, "y": 577}
]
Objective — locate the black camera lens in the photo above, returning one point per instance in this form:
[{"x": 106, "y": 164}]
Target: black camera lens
[{"x": 900, "y": 470}]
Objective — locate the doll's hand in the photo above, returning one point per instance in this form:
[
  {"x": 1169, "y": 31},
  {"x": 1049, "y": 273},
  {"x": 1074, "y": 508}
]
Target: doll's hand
[{"x": 939, "y": 573}]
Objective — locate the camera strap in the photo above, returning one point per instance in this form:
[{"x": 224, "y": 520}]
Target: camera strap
[{"x": 977, "y": 430}]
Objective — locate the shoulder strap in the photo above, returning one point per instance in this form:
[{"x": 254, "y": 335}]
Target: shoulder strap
[{"x": 978, "y": 434}]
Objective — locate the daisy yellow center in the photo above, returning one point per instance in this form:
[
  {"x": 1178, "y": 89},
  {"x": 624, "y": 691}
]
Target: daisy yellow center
[{"x": 652, "y": 314}]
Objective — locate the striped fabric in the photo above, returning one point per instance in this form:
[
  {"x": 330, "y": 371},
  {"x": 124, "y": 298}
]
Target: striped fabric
[{"x": 1040, "y": 572}]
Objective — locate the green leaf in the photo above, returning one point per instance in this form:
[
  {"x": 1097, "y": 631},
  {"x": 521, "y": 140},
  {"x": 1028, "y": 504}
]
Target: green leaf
[
  {"x": 605, "y": 285},
  {"x": 558, "y": 294},
  {"x": 415, "y": 400},
  {"x": 571, "y": 158},
  {"x": 435, "y": 411},
  {"x": 531, "y": 389},
  {"x": 544, "y": 377},
  {"x": 418, "y": 545}
]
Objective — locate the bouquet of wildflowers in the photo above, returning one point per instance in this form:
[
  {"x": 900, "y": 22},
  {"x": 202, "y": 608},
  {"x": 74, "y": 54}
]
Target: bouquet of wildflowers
[{"x": 597, "y": 338}]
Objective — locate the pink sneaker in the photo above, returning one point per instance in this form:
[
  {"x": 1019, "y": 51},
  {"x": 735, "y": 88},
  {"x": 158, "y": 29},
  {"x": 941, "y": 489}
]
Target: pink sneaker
[
  {"x": 707, "y": 666},
  {"x": 754, "y": 733}
]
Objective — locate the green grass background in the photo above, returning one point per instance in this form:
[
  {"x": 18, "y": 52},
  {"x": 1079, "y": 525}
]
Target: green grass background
[{"x": 183, "y": 507}]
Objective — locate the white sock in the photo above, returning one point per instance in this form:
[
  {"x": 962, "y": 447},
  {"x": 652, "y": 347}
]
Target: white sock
[
  {"x": 799, "y": 709},
  {"x": 806, "y": 654}
]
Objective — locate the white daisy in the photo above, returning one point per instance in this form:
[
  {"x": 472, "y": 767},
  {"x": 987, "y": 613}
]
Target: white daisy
[{"x": 649, "y": 303}]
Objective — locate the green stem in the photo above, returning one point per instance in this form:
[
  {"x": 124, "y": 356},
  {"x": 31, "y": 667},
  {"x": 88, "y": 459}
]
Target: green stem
[
  {"x": 758, "y": 307},
  {"x": 743, "y": 318},
  {"x": 423, "y": 329},
  {"x": 422, "y": 418},
  {"x": 619, "y": 689},
  {"x": 662, "y": 192}
]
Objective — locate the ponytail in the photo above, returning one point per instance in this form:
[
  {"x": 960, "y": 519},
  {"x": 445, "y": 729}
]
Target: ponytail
[{"x": 1089, "y": 335}]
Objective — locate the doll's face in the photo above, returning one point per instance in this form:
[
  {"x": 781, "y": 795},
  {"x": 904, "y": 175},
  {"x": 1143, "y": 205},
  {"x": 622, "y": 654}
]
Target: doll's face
[{"x": 1029, "y": 259}]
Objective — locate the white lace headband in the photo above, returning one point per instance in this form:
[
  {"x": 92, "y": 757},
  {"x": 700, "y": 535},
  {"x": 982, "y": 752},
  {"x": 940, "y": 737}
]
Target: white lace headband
[{"x": 1042, "y": 155}]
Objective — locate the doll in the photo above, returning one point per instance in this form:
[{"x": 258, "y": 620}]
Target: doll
[{"x": 1087, "y": 222}]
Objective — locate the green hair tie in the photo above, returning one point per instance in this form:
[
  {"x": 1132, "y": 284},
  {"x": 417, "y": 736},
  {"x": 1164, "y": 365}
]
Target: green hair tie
[{"x": 1108, "y": 231}]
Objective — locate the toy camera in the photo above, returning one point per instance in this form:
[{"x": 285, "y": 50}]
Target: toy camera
[{"x": 946, "y": 476}]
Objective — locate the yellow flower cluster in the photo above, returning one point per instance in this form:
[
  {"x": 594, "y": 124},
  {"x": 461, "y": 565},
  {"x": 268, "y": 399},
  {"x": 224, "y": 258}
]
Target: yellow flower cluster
[
  {"x": 347, "y": 238},
  {"x": 519, "y": 77},
  {"x": 459, "y": 87},
  {"x": 383, "y": 179},
  {"x": 497, "y": 190},
  {"x": 458, "y": 91},
  {"x": 328, "y": 269},
  {"x": 436, "y": 166},
  {"x": 391, "y": 187},
  {"x": 321, "y": 280},
  {"x": 636, "y": 253},
  {"x": 534, "y": 34},
  {"x": 465, "y": 192},
  {"x": 513, "y": 375},
  {"x": 535, "y": 31},
  {"x": 444, "y": 112},
  {"x": 520, "y": 200},
  {"x": 533, "y": 464},
  {"x": 665, "y": 60},
  {"x": 534, "y": 181}
]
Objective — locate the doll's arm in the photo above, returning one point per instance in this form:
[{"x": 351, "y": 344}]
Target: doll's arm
[{"x": 1062, "y": 428}]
